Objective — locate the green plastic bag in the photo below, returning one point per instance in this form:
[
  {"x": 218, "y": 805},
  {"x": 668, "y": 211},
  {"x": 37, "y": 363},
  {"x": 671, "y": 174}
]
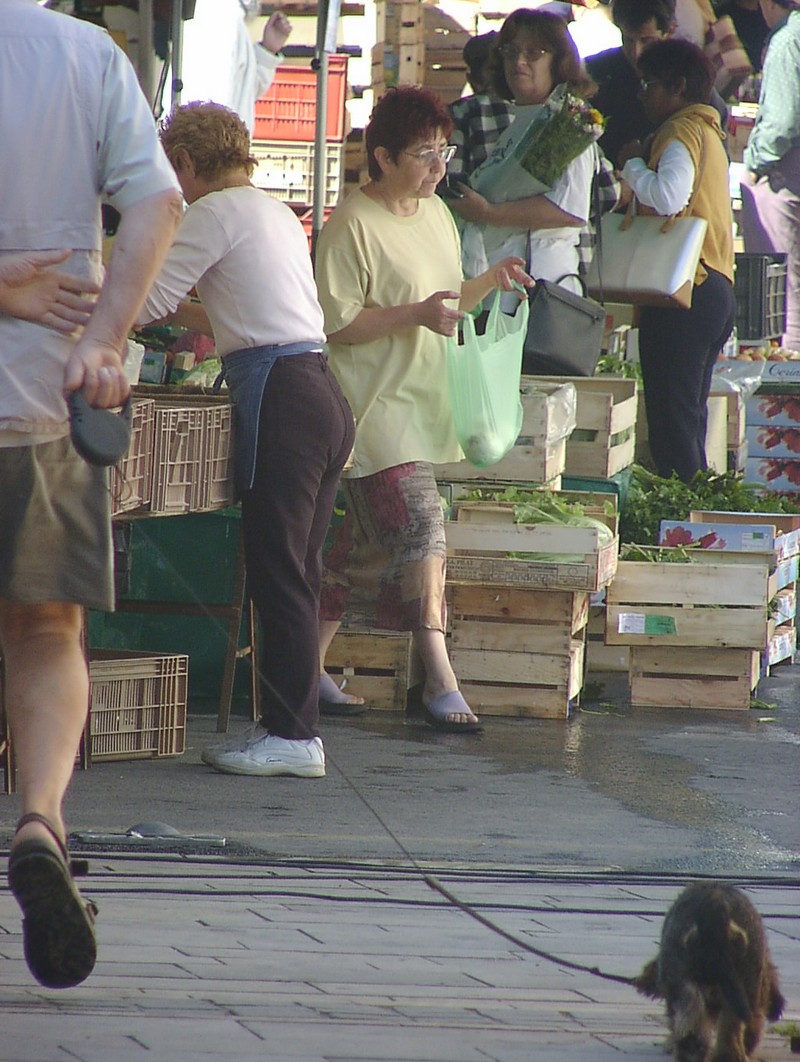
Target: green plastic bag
[{"x": 483, "y": 374}]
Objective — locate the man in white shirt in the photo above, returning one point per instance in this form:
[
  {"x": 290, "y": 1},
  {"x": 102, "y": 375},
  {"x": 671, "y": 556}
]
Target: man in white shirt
[{"x": 221, "y": 64}]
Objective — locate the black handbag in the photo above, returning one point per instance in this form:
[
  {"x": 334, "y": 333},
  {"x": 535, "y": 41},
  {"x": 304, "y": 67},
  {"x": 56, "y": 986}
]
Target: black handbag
[{"x": 565, "y": 331}]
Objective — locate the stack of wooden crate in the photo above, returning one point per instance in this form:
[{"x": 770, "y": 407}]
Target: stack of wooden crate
[
  {"x": 518, "y": 599},
  {"x": 695, "y": 628},
  {"x": 784, "y": 534},
  {"x": 711, "y": 614},
  {"x": 418, "y": 44}
]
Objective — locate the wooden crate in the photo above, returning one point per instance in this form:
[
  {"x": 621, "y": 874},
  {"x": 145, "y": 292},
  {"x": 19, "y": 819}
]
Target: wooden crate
[
  {"x": 483, "y": 534},
  {"x": 604, "y": 439},
  {"x": 715, "y": 603},
  {"x": 677, "y": 677},
  {"x": 525, "y": 462},
  {"x": 380, "y": 666},
  {"x": 539, "y": 454},
  {"x": 518, "y": 652}
]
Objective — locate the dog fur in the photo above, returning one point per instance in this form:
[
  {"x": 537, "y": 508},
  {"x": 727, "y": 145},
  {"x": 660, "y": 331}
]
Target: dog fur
[{"x": 714, "y": 971}]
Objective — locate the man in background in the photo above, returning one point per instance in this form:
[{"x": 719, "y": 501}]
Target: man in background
[
  {"x": 640, "y": 22},
  {"x": 221, "y": 64},
  {"x": 771, "y": 189}
]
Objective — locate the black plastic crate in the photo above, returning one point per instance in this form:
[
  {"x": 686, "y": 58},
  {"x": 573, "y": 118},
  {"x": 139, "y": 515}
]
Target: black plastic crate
[{"x": 760, "y": 289}]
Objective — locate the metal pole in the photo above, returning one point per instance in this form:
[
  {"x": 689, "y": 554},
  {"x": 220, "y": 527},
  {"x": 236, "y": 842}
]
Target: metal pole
[
  {"x": 327, "y": 24},
  {"x": 177, "y": 52},
  {"x": 146, "y": 52}
]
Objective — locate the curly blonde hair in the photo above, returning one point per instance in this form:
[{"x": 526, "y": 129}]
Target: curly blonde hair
[{"x": 214, "y": 137}]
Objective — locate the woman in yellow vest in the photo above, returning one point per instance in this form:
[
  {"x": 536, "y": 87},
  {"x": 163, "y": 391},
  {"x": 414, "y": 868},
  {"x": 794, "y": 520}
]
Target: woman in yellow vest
[{"x": 686, "y": 173}]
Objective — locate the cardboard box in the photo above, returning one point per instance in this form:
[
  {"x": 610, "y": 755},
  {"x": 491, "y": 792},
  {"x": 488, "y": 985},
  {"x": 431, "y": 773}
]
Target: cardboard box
[
  {"x": 773, "y": 411},
  {"x": 741, "y": 537},
  {"x": 786, "y": 526},
  {"x": 776, "y": 474},
  {"x": 771, "y": 441}
]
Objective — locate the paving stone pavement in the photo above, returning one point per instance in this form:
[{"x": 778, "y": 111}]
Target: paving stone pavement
[{"x": 210, "y": 958}]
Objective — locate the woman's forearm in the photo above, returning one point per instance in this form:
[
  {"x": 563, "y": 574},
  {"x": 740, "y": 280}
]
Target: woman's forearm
[{"x": 536, "y": 212}]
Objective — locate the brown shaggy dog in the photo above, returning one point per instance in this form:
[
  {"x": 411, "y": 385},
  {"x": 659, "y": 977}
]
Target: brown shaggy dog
[{"x": 714, "y": 971}]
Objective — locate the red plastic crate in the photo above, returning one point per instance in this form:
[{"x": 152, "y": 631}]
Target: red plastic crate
[
  {"x": 306, "y": 219},
  {"x": 287, "y": 110}
]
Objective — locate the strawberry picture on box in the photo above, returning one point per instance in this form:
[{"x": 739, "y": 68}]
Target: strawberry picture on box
[
  {"x": 773, "y": 441},
  {"x": 773, "y": 410},
  {"x": 778, "y": 474}
]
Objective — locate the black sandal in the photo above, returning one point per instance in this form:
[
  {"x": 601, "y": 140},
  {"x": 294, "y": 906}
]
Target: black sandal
[{"x": 57, "y": 924}]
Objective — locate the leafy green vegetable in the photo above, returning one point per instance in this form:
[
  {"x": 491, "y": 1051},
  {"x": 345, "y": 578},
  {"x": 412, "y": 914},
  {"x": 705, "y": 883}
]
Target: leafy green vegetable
[{"x": 652, "y": 498}]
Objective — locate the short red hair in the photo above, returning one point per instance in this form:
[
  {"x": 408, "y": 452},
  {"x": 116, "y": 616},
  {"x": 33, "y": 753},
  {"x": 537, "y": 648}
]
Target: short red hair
[{"x": 404, "y": 116}]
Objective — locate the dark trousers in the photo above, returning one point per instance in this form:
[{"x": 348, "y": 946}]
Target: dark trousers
[
  {"x": 305, "y": 435},
  {"x": 677, "y": 350}
]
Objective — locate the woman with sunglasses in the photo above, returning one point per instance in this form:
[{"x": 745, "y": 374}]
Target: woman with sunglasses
[
  {"x": 389, "y": 277},
  {"x": 683, "y": 170},
  {"x": 534, "y": 57}
]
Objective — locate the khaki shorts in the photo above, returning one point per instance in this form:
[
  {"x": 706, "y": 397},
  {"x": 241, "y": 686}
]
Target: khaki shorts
[{"x": 55, "y": 527}]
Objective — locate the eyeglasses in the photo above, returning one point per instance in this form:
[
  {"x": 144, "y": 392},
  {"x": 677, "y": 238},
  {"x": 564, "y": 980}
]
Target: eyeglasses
[
  {"x": 430, "y": 156},
  {"x": 645, "y": 83},
  {"x": 512, "y": 53}
]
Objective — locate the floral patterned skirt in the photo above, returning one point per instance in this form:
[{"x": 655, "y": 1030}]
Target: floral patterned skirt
[{"x": 385, "y": 567}]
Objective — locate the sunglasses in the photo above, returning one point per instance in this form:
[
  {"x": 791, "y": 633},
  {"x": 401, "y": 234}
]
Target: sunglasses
[{"x": 512, "y": 53}]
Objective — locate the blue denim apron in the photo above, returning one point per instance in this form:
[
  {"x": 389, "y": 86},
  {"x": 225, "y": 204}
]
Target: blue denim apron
[{"x": 245, "y": 372}]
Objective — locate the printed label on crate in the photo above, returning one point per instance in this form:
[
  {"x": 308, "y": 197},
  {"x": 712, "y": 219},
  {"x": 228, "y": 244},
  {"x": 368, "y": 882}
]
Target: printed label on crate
[
  {"x": 750, "y": 538},
  {"x": 644, "y": 623}
]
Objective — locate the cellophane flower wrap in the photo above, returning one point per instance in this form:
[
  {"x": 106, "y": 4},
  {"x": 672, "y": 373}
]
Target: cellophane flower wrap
[{"x": 552, "y": 145}]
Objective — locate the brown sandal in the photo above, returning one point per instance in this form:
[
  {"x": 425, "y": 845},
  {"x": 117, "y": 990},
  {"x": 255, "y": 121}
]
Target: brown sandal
[{"x": 57, "y": 924}]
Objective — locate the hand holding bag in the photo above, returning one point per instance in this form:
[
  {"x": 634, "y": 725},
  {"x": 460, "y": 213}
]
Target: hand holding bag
[
  {"x": 565, "y": 331},
  {"x": 483, "y": 375}
]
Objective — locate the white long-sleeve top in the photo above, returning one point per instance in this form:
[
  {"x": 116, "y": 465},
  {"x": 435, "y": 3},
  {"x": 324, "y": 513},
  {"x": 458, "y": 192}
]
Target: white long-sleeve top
[
  {"x": 247, "y": 255},
  {"x": 666, "y": 189}
]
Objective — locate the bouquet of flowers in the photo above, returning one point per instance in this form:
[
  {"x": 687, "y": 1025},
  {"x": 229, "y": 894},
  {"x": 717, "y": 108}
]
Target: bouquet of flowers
[{"x": 572, "y": 125}]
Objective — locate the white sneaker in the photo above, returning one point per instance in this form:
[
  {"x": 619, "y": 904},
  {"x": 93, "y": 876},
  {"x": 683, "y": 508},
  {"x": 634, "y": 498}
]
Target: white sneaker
[
  {"x": 239, "y": 741},
  {"x": 269, "y": 755}
]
